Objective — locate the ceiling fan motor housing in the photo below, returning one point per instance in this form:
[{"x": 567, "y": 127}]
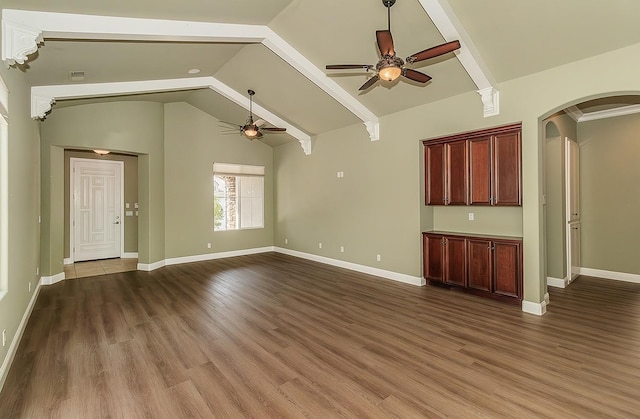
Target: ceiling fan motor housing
[{"x": 388, "y": 3}]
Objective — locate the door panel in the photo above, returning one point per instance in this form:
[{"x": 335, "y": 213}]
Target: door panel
[
  {"x": 456, "y": 173},
  {"x": 433, "y": 257},
  {"x": 434, "y": 181},
  {"x": 507, "y": 172},
  {"x": 506, "y": 266},
  {"x": 97, "y": 209},
  {"x": 479, "y": 262},
  {"x": 480, "y": 171},
  {"x": 455, "y": 261}
]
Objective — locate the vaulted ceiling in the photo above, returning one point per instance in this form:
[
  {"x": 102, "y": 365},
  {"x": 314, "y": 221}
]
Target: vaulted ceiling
[{"x": 510, "y": 39}]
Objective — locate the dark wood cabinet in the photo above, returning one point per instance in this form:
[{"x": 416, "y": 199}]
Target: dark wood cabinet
[
  {"x": 475, "y": 168},
  {"x": 484, "y": 265},
  {"x": 444, "y": 259}
]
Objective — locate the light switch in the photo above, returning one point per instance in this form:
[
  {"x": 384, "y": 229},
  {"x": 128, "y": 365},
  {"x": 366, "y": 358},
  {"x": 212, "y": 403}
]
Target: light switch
[
  {"x": 126, "y": 205},
  {"x": 128, "y": 213},
  {"x": 135, "y": 205}
]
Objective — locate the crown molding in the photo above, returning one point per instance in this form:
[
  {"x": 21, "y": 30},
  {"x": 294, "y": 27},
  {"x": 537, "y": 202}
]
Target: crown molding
[
  {"x": 574, "y": 112},
  {"x": 450, "y": 28},
  {"x": 610, "y": 113},
  {"x": 90, "y": 27},
  {"x": 43, "y": 97}
]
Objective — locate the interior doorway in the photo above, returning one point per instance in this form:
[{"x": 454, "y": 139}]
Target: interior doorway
[{"x": 96, "y": 209}]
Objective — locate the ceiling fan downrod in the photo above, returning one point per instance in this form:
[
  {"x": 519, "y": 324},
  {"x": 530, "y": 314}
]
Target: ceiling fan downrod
[{"x": 388, "y": 4}]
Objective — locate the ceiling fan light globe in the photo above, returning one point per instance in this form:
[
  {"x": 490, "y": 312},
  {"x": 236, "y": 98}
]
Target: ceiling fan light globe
[
  {"x": 390, "y": 72},
  {"x": 251, "y": 131}
]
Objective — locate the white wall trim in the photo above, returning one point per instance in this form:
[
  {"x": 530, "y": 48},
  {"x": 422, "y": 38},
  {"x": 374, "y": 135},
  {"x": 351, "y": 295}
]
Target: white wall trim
[
  {"x": 43, "y": 97},
  {"x": 68, "y": 261},
  {"x": 557, "y": 282},
  {"x": 534, "y": 308},
  {"x": 50, "y": 280},
  {"x": 130, "y": 255},
  {"x": 219, "y": 255},
  {"x": 148, "y": 267},
  {"x": 449, "y": 26},
  {"x": 547, "y": 301},
  {"x": 13, "y": 348},
  {"x": 395, "y": 276},
  {"x": 618, "y": 276},
  {"x": 31, "y": 27}
]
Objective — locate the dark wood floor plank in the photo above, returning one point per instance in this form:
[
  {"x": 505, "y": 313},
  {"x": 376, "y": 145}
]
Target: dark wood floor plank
[{"x": 271, "y": 335}]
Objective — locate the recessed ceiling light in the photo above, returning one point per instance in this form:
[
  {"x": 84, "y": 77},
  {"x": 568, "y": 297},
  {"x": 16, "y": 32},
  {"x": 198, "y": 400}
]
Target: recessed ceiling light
[{"x": 194, "y": 71}]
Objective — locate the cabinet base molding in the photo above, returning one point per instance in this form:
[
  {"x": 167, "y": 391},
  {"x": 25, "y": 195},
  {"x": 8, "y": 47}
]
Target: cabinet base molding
[{"x": 479, "y": 293}]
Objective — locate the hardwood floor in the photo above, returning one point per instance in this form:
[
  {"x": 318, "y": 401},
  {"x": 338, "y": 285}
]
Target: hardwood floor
[{"x": 275, "y": 336}]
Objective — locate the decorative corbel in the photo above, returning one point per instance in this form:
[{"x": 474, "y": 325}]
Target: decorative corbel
[
  {"x": 18, "y": 42},
  {"x": 490, "y": 101},
  {"x": 306, "y": 146},
  {"x": 373, "y": 127},
  {"x": 40, "y": 106}
]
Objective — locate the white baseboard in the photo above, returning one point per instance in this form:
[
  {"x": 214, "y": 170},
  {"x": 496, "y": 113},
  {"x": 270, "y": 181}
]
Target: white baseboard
[
  {"x": 618, "y": 276},
  {"x": 219, "y": 255},
  {"x": 557, "y": 282},
  {"x": 68, "y": 261},
  {"x": 50, "y": 280},
  {"x": 546, "y": 298},
  {"x": 395, "y": 276},
  {"x": 13, "y": 348},
  {"x": 534, "y": 308},
  {"x": 150, "y": 266},
  {"x": 130, "y": 255}
]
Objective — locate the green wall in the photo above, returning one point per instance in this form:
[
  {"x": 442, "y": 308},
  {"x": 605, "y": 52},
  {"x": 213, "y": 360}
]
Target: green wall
[
  {"x": 610, "y": 193},
  {"x": 126, "y": 127},
  {"x": 23, "y": 210},
  {"x": 193, "y": 142},
  {"x": 556, "y": 128}
]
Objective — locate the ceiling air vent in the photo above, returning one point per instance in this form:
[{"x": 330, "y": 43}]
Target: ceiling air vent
[{"x": 76, "y": 75}]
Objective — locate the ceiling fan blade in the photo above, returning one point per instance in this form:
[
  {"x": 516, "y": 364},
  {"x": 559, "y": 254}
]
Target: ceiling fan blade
[
  {"x": 259, "y": 135},
  {"x": 415, "y": 75},
  {"x": 273, "y": 129},
  {"x": 260, "y": 122},
  {"x": 348, "y": 66},
  {"x": 370, "y": 82},
  {"x": 434, "y": 51},
  {"x": 231, "y": 123},
  {"x": 385, "y": 43}
]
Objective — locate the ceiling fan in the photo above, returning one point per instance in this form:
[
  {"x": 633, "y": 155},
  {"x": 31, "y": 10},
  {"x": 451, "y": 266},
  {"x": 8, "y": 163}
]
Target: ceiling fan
[
  {"x": 252, "y": 129},
  {"x": 390, "y": 67}
]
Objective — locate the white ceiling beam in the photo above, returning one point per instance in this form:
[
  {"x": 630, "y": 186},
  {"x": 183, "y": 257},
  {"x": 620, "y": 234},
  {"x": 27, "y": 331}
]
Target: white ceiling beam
[
  {"x": 451, "y": 29},
  {"x": 24, "y": 30},
  {"x": 43, "y": 97}
]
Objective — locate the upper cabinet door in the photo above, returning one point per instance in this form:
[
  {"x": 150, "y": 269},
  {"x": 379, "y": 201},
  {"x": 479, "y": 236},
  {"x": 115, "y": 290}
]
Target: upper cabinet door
[
  {"x": 480, "y": 171},
  {"x": 507, "y": 169},
  {"x": 456, "y": 191},
  {"x": 434, "y": 174}
]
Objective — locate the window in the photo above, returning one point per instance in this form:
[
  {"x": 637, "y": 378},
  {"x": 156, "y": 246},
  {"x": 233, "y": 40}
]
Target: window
[
  {"x": 4, "y": 210},
  {"x": 238, "y": 196}
]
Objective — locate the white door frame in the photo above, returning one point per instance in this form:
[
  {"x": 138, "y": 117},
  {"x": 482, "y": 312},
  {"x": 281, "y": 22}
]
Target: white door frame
[
  {"x": 72, "y": 163},
  {"x": 568, "y": 216}
]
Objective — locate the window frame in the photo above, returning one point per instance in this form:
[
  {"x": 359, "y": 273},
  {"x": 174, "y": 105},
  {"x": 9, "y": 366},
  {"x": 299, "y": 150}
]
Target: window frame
[{"x": 238, "y": 172}]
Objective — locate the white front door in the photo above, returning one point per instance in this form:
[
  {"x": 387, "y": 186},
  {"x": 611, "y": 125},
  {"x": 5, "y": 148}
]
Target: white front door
[{"x": 97, "y": 209}]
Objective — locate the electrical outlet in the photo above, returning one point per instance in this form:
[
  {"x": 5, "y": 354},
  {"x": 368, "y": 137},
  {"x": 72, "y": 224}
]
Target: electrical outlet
[
  {"x": 208, "y": 245},
  {"x": 341, "y": 249},
  {"x": 471, "y": 216},
  {"x": 378, "y": 258},
  {"x": 38, "y": 270},
  {"x": 286, "y": 241},
  {"x": 29, "y": 286},
  {"x": 4, "y": 337},
  {"x": 319, "y": 245}
]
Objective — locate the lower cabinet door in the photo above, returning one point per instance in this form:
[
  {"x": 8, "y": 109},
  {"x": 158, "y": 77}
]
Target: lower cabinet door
[
  {"x": 479, "y": 264},
  {"x": 455, "y": 261},
  {"x": 433, "y": 248},
  {"x": 507, "y": 259}
]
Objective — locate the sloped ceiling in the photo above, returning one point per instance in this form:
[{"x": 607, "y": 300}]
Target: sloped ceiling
[{"x": 513, "y": 38}]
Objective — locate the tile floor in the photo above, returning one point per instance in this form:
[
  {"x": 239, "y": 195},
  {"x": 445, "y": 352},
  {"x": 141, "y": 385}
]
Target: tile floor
[{"x": 99, "y": 267}]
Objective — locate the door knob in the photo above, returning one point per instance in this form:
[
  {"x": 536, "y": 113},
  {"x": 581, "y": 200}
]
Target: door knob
[{"x": 117, "y": 222}]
